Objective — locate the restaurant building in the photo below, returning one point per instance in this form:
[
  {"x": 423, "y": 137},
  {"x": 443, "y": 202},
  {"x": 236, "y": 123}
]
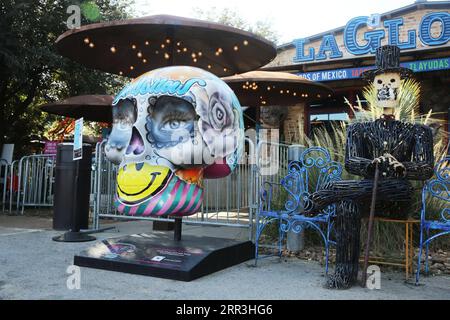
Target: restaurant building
[{"x": 338, "y": 57}]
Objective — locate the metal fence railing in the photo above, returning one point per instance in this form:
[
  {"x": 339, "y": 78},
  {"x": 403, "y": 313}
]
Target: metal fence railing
[
  {"x": 27, "y": 182},
  {"x": 230, "y": 201}
]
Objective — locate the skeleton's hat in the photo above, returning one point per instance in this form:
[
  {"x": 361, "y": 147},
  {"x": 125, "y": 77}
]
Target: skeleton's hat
[{"x": 387, "y": 59}]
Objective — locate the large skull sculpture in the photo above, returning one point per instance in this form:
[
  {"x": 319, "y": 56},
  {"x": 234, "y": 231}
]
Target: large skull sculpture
[
  {"x": 172, "y": 127},
  {"x": 387, "y": 87}
]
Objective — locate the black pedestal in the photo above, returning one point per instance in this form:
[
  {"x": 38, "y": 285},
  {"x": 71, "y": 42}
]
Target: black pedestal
[
  {"x": 163, "y": 225},
  {"x": 159, "y": 255},
  {"x": 71, "y": 236}
]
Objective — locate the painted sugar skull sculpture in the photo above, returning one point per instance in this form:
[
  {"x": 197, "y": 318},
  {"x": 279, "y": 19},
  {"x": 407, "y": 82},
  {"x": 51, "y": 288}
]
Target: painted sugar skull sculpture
[{"x": 172, "y": 128}]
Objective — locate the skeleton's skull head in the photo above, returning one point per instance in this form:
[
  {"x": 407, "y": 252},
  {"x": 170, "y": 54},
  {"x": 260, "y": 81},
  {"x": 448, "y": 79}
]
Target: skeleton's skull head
[
  {"x": 172, "y": 127},
  {"x": 387, "y": 87}
]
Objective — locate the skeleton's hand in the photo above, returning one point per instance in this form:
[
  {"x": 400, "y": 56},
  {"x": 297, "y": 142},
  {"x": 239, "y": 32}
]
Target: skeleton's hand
[{"x": 389, "y": 166}]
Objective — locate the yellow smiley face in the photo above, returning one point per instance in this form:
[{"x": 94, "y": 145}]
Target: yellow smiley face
[{"x": 137, "y": 182}]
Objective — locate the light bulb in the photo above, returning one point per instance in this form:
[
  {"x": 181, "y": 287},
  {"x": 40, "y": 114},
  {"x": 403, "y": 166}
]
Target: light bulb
[
  {"x": 166, "y": 56},
  {"x": 133, "y": 46},
  {"x": 235, "y": 48},
  {"x": 245, "y": 42},
  {"x": 113, "y": 49},
  {"x": 147, "y": 43},
  {"x": 139, "y": 54},
  {"x": 131, "y": 68},
  {"x": 91, "y": 44},
  {"x": 86, "y": 40}
]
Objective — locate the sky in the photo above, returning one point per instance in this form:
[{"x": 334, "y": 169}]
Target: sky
[{"x": 289, "y": 18}]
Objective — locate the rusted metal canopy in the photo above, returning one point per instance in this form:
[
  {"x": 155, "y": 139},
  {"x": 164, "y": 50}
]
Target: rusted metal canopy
[
  {"x": 258, "y": 88},
  {"x": 90, "y": 107},
  {"x": 132, "y": 47}
]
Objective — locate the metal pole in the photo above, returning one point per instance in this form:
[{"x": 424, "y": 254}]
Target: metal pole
[
  {"x": 5, "y": 182},
  {"x": 177, "y": 229},
  {"x": 369, "y": 231}
]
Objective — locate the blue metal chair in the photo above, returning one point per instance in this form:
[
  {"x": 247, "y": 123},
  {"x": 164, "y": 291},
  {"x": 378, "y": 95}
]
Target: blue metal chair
[
  {"x": 436, "y": 188},
  {"x": 309, "y": 173}
]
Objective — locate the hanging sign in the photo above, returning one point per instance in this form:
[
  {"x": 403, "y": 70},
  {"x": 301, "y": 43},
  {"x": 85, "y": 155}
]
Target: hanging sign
[{"x": 78, "y": 140}]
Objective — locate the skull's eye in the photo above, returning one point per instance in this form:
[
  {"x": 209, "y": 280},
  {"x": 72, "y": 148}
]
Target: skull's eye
[
  {"x": 380, "y": 81},
  {"x": 174, "y": 124},
  {"x": 171, "y": 121},
  {"x": 125, "y": 112},
  {"x": 392, "y": 80}
]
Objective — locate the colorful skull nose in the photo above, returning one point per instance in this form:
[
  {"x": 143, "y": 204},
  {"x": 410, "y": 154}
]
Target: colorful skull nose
[{"x": 137, "y": 182}]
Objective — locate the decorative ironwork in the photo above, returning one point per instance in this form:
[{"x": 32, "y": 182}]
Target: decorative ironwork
[
  {"x": 313, "y": 170},
  {"x": 436, "y": 188}
]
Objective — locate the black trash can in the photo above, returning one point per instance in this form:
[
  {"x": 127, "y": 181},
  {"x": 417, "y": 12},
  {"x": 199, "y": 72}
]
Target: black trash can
[{"x": 65, "y": 204}]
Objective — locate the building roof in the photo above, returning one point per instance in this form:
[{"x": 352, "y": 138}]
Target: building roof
[{"x": 418, "y": 5}]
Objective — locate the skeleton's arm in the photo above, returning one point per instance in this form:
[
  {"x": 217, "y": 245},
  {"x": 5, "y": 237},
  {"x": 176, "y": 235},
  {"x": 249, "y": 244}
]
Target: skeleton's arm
[
  {"x": 422, "y": 163},
  {"x": 355, "y": 159}
]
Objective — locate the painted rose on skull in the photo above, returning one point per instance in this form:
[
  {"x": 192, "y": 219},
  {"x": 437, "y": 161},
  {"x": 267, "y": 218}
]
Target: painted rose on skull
[{"x": 172, "y": 127}]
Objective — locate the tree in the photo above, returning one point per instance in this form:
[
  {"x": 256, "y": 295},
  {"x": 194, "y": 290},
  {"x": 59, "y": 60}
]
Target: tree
[
  {"x": 31, "y": 70},
  {"x": 231, "y": 18}
]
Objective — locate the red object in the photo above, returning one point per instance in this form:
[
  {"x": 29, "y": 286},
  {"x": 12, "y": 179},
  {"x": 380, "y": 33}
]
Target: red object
[
  {"x": 217, "y": 170},
  {"x": 15, "y": 183}
]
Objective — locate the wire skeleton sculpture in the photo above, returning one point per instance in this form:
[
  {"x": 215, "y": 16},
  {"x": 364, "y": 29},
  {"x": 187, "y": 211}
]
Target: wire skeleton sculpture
[{"x": 403, "y": 151}]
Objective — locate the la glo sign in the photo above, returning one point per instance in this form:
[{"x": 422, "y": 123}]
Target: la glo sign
[{"x": 329, "y": 48}]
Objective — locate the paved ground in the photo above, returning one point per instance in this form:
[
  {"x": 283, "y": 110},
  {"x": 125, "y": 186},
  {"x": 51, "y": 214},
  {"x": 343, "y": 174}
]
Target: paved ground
[{"x": 32, "y": 266}]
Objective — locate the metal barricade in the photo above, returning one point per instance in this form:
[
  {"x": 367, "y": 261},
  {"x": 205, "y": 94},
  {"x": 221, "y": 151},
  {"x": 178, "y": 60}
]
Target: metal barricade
[
  {"x": 4, "y": 171},
  {"x": 11, "y": 188},
  {"x": 35, "y": 181},
  {"x": 228, "y": 201},
  {"x": 27, "y": 182},
  {"x": 104, "y": 185},
  {"x": 231, "y": 201}
]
